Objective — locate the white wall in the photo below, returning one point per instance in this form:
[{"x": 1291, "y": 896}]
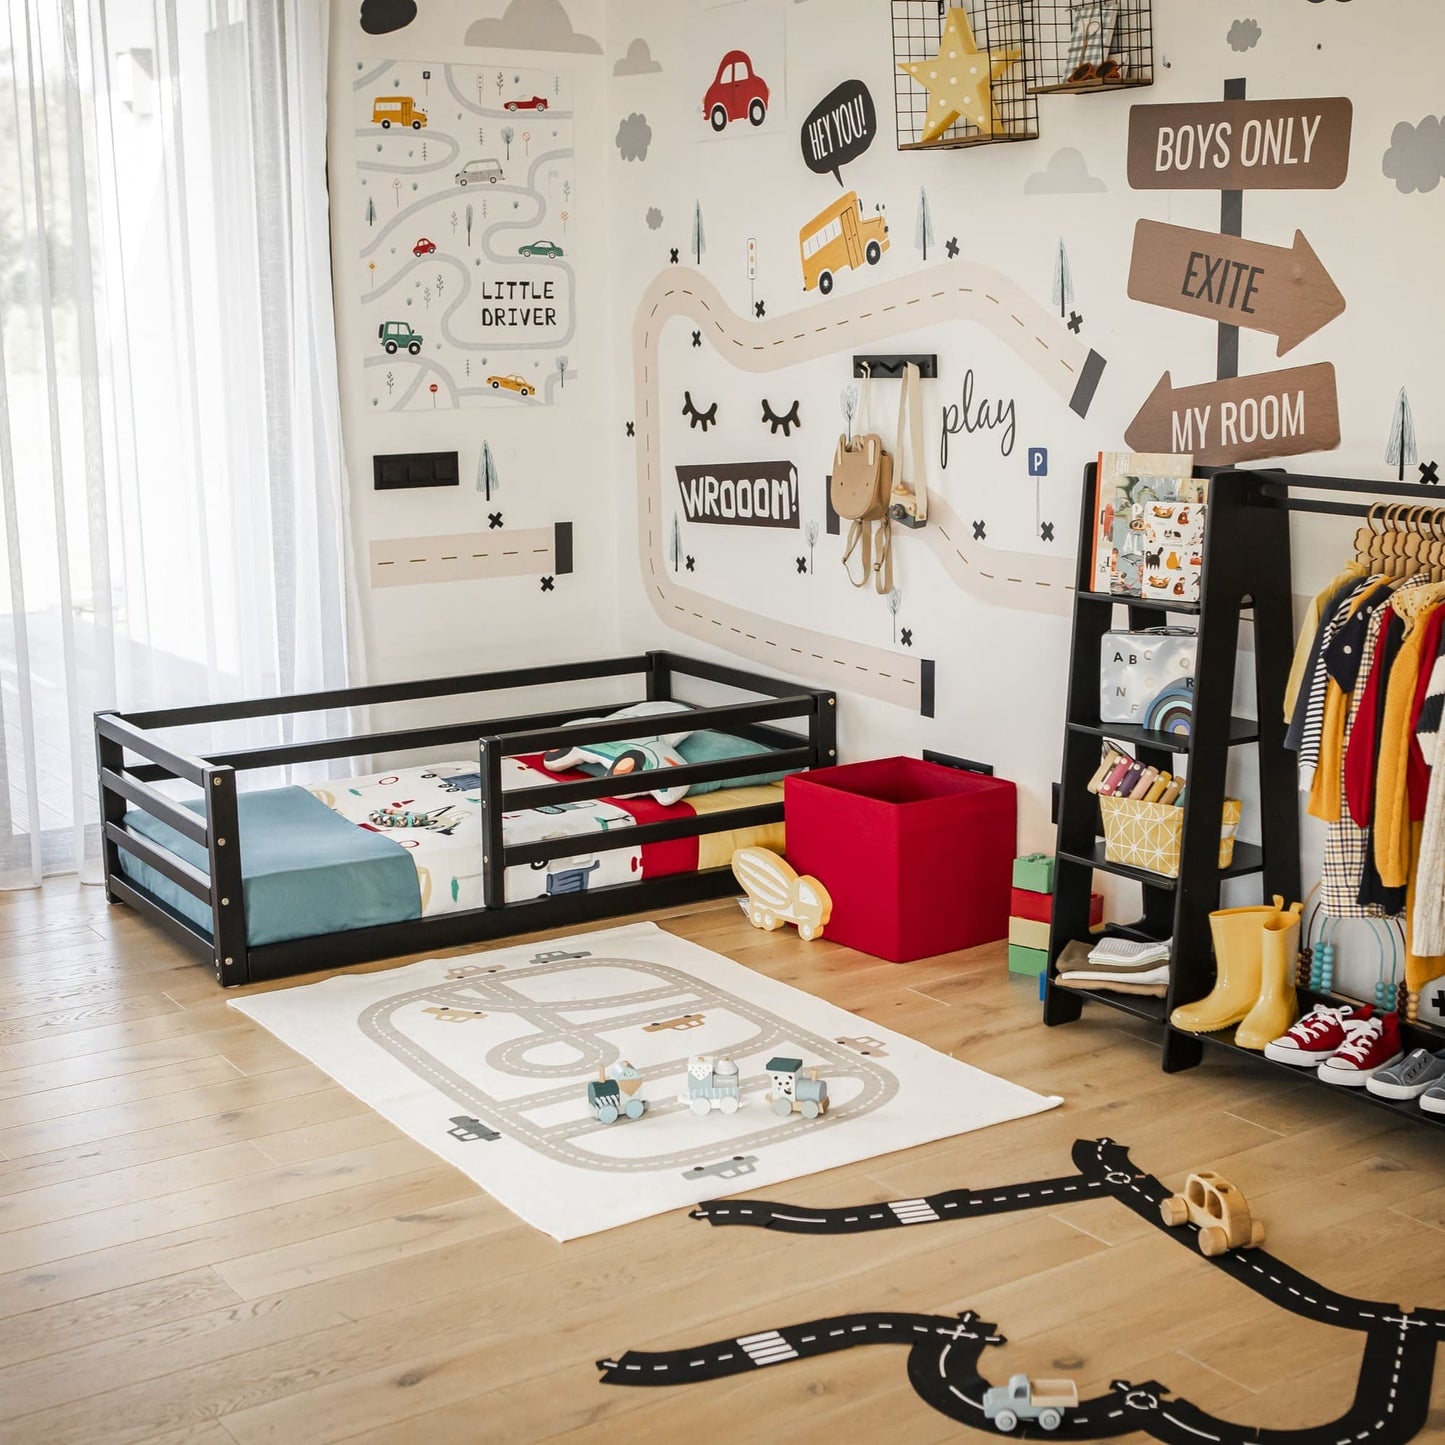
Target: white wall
[
  {"x": 1001, "y": 672},
  {"x": 546, "y": 457}
]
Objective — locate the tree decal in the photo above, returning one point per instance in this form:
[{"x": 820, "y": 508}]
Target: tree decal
[
  {"x": 923, "y": 230},
  {"x": 486, "y": 472},
  {"x": 699, "y": 240},
  {"x": 507, "y": 135},
  {"x": 1401, "y": 451},
  {"x": 1063, "y": 288},
  {"x": 562, "y": 370}
]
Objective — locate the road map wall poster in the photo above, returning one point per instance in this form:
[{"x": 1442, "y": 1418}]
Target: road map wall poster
[{"x": 466, "y": 199}]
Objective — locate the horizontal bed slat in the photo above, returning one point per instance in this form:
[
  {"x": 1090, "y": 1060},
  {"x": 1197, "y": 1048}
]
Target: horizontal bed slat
[
  {"x": 184, "y": 820},
  {"x": 181, "y": 873},
  {"x": 147, "y": 904},
  {"x": 791, "y": 760},
  {"x": 695, "y": 827},
  {"x": 128, "y": 735}
]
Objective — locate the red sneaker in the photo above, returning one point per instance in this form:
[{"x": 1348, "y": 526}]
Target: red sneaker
[
  {"x": 1317, "y": 1035},
  {"x": 1372, "y": 1044}
]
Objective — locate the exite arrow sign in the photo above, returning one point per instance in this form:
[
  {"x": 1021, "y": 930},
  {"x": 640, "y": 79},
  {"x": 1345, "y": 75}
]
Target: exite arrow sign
[
  {"x": 1240, "y": 145},
  {"x": 1242, "y": 419},
  {"x": 1282, "y": 290}
]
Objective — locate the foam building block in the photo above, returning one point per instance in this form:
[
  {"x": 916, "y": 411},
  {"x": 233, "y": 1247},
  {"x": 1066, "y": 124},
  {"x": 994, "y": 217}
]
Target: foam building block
[
  {"x": 1030, "y": 962},
  {"x": 1028, "y": 933},
  {"x": 1035, "y": 871},
  {"x": 1025, "y": 903}
]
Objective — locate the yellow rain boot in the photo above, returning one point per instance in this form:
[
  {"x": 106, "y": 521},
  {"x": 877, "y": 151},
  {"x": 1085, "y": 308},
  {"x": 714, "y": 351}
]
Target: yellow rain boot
[
  {"x": 1238, "y": 961},
  {"x": 1277, "y": 1008}
]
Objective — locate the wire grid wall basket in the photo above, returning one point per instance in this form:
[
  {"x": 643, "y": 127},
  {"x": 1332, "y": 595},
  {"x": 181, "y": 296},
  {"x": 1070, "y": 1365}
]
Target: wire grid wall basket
[
  {"x": 1091, "y": 45},
  {"x": 999, "y": 27}
]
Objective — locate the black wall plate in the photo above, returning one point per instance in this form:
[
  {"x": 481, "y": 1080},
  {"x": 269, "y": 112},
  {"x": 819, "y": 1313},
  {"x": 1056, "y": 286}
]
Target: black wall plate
[
  {"x": 965, "y": 765},
  {"x": 404, "y": 470}
]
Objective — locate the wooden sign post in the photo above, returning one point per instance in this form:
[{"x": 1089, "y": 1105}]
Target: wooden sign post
[
  {"x": 1234, "y": 145},
  {"x": 1284, "y": 291}
]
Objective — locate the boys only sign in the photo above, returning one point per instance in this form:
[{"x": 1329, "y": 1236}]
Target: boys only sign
[{"x": 741, "y": 494}]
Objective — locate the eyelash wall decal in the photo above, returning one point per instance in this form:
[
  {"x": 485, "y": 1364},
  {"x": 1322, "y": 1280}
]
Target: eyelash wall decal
[
  {"x": 704, "y": 419},
  {"x": 787, "y": 421}
]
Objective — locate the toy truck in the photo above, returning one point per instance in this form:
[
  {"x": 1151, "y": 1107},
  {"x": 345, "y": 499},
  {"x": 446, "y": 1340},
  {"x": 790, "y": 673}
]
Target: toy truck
[
  {"x": 1023, "y": 1399},
  {"x": 1220, "y": 1211},
  {"x": 777, "y": 895}
]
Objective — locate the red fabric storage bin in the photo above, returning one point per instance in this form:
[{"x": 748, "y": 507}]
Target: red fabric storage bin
[{"x": 917, "y": 857}]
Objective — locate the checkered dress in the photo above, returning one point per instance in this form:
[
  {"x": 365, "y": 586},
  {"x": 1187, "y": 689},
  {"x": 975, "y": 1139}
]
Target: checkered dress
[{"x": 1093, "y": 32}]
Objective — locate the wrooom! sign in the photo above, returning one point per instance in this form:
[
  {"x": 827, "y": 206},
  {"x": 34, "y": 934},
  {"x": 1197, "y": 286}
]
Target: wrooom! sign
[{"x": 742, "y": 494}]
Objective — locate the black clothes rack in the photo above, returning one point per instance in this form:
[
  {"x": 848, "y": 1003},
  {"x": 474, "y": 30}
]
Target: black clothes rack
[{"x": 1246, "y": 576}]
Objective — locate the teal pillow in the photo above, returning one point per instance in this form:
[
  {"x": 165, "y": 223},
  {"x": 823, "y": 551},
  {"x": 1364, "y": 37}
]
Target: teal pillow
[{"x": 714, "y": 747}]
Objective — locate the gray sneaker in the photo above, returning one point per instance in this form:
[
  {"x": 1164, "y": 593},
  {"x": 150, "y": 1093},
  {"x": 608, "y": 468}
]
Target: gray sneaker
[
  {"x": 1415, "y": 1074},
  {"x": 1432, "y": 1101}
]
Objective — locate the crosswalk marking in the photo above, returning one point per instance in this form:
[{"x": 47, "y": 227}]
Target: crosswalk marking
[
  {"x": 913, "y": 1211},
  {"x": 767, "y": 1348}
]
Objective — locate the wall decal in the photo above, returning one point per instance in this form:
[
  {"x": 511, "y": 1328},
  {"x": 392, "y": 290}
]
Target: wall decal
[
  {"x": 634, "y": 135},
  {"x": 848, "y": 405},
  {"x": 738, "y": 92},
  {"x": 895, "y": 601},
  {"x": 1029, "y": 581},
  {"x": 787, "y": 421},
  {"x": 674, "y": 256},
  {"x": 704, "y": 419},
  {"x": 839, "y": 129},
  {"x": 952, "y": 248},
  {"x": 923, "y": 226},
  {"x": 381, "y": 17},
  {"x": 1429, "y": 474},
  {"x": 1401, "y": 450},
  {"x": 637, "y": 61},
  {"x": 1240, "y": 419},
  {"x": 1244, "y": 35},
  {"x": 691, "y": 563},
  {"x": 494, "y": 520},
  {"x": 654, "y": 218},
  {"x": 1240, "y": 145},
  {"x": 741, "y": 494},
  {"x": 406, "y": 561},
  {"x": 1061, "y": 290},
  {"x": 674, "y": 543},
  {"x": 531, "y": 25},
  {"x": 812, "y": 536},
  {"x": 985, "y": 416},
  {"x": 1066, "y": 174},
  {"x": 699, "y": 239},
  {"x": 1415, "y": 160},
  {"x": 503, "y": 286},
  {"x": 548, "y": 584},
  {"x": 906, "y": 637},
  {"x": 838, "y": 238},
  {"x": 1390, "y": 1403},
  {"x": 1283, "y": 291}
]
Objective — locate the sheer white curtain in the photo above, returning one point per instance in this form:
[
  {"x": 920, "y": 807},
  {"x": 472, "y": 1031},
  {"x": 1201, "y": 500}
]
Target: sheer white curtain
[{"x": 174, "y": 497}]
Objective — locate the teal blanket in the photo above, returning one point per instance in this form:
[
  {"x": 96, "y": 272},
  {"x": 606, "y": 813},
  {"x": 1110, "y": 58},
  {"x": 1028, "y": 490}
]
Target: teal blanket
[{"x": 305, "y": 869}]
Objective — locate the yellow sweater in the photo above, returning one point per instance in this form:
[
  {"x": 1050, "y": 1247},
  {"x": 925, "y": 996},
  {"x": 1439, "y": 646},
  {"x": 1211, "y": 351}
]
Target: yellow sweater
[{"x": 1304, "y": 645}]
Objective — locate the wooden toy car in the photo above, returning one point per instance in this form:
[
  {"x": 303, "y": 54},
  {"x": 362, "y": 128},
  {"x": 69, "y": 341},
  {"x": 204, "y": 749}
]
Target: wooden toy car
[
  {"x": 1025, "y": 1399},
  {"x": 1220, "y": 1211},
  {"x": 792, "y": 1095},
  {"x": 611, "y": 1097},
  {"x": 778, "y": 895},
  {"x": 712, "y": 1084}
]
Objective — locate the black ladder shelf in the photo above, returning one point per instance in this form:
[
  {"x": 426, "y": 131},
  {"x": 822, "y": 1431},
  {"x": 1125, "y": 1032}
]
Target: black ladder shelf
[{"x": 1246, "y": 576}]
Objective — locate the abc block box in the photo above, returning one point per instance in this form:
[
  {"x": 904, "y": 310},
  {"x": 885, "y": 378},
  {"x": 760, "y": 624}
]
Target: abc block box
[{"x": 918, "y": 857}]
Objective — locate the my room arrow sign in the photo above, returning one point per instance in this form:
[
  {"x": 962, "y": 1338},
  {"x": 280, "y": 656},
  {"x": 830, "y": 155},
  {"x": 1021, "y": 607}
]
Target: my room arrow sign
[
  {"x": 1282, "y": 290},
  {"x": 1242, "y": 419}
]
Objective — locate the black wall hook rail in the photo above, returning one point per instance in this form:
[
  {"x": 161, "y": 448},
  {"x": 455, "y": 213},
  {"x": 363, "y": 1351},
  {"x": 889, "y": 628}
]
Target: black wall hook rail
[
  {"x": 1276, "y": 485},
  {"x": 892, "y": 366}
]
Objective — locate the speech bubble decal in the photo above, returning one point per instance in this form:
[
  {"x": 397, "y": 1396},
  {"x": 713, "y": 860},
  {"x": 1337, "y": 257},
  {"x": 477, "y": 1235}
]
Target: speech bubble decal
[{"x": 839, "y": 129}]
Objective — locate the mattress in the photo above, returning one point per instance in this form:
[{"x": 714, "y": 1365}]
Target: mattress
[{"x": 435, "y": 813}]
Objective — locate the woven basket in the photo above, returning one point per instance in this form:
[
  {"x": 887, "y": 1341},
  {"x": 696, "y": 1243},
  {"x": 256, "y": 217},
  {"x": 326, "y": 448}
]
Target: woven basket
[{"x": 1148, "y": 835}]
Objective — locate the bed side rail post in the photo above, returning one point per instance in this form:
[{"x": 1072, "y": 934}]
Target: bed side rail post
[
  {"x": 109, "y": 756},
  {"x": 659, "y": 677},
  {"x": 228, "y": 901},
  {"x": 494, "y": 855},
  {"x": 823, "y": 730}
]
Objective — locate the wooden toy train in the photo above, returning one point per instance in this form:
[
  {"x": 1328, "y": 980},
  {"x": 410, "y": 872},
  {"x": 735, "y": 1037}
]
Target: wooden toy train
[
  {"x": 610, "y": 1095},
  {"x": 712, "y": 1084},
  {"x": 793, "y": 1095}
]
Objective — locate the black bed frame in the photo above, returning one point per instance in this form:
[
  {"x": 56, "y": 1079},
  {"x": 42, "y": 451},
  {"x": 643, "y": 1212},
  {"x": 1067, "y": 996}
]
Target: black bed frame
[{"x": 126, "y": 784}]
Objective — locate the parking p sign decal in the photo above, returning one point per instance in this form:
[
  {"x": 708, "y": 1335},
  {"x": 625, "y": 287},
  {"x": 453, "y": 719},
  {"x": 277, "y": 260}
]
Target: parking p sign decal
[{"x": 1038, "y": 461}]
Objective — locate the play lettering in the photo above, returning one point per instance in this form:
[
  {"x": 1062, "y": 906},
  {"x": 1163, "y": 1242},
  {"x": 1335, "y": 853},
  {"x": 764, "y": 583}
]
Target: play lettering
[
  {"x": 509, "y": 313},
  {"x": 1287, "y": 140},
  {"x": 986, "y": 416}
]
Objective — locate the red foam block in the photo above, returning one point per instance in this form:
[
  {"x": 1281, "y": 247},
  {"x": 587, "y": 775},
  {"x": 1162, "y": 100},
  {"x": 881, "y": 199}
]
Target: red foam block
[{"x": 1025, "y": 903}]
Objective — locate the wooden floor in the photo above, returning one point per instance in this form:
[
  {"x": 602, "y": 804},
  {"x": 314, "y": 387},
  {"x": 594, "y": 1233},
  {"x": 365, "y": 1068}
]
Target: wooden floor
[{"x": 203, "y": 1239}]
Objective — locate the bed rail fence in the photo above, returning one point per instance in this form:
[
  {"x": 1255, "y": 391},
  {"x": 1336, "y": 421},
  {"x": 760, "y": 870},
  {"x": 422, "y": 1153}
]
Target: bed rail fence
[{"x": 215, "y": 827}]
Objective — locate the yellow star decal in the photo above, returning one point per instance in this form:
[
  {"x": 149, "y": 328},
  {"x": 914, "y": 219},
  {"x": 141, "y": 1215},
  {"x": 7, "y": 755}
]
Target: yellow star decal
[{"x": 959, "y": 79}]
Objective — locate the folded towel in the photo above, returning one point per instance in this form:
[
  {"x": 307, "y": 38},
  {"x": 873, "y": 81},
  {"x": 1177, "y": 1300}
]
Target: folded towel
[
  {"x": 1130, "y": 951},
  {"x": 1158, "y": 974},
  {"x": 1152, "y": 990}
]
